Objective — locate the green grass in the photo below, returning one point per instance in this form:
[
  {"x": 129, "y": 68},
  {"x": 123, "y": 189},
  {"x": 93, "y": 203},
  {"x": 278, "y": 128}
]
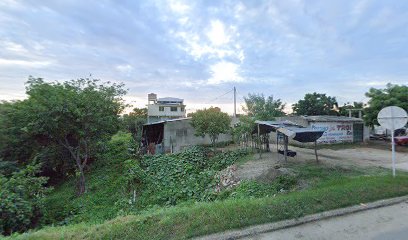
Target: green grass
[{"x": 205, "y": 218}]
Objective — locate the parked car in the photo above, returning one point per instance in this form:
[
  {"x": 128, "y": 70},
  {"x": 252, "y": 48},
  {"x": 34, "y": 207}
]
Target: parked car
[{"x": 401, "y": 140}]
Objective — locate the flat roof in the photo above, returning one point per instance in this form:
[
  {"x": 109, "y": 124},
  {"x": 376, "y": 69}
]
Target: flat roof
[{"x": 170, "y": 99}]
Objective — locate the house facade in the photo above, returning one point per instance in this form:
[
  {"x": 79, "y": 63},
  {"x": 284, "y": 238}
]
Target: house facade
[{"x": 160, "y": 109}]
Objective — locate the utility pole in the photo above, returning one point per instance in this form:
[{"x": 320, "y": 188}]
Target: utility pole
[{"x": 235, "y": 102}]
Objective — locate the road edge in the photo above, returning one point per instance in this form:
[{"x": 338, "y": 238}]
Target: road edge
[{"x": 270, "y": 227}]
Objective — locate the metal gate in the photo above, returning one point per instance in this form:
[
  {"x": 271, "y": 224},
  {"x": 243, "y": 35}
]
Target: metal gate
[{"x": 358, "y": 132}]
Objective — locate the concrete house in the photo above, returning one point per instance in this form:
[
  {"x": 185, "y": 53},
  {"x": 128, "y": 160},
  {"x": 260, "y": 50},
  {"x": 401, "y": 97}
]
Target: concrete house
[
  {"x": 172, "y": 136},
  {"x": 337, "y": 129},
  {"x": 159, "y": 109}
]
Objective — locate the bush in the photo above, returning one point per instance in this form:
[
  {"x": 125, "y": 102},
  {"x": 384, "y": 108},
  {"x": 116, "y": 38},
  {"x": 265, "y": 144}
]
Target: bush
[
  {"x": 21, "y": 200},
  {"x": 174, "y": 178}
]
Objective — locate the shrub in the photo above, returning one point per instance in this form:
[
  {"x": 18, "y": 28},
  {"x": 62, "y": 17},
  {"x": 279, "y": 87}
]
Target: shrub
[{"x": 21, "y": 200}]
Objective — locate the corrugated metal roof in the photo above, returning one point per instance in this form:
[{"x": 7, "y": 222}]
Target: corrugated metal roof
[
  {"x": 169, "y": 120},
  {"x": 291, "y": 130},
  {"x": 328, "y": 118},
  {"x": 286, "y": 123}
]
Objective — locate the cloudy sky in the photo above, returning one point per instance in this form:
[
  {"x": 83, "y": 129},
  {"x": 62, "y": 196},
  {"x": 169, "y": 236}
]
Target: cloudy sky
[{"x": 199, "y": 50}]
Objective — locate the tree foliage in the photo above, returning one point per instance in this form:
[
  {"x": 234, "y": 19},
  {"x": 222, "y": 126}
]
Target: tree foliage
[
  {"x": 263, "y": 108},
  {"x": 244, "y": 128},
  {"x": 392, "y": 95},
  {"x": 315, "y": 104},
  {"x": 210, "y": 121},
  {"x": 133, "y": 121},
  {"x": 60, "y": 122},
  {"x": 173, "y": 178},
  {"x": 21, "y": 199}
]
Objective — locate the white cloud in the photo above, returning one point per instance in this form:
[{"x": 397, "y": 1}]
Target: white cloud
[
  {"x": 13, "y": 47},
  {"x": 178, "y": 7},
  {"x": 23, "y": 63},
  {"x": 217, "y": 33},
  {"x": 223, "y": 72},
  {"x": 126, "y": 68}
]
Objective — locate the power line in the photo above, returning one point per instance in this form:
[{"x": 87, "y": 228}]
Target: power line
[{"x": 216, "y": 98}]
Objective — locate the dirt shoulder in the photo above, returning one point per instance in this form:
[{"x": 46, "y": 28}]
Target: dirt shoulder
[{"x": 363, "y": 156}]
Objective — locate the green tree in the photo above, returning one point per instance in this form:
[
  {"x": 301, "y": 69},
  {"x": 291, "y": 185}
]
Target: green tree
[
  {"x": 243, "y": 129},
  {"x": 19, "y": 146},
  {"x": 262, "y": 108},
  {"x": 392, "y": 95},
  {"x": 210, "y": 121},
  {"x": 76, "y": 115},
  {"x": 16, "y": 144},
  {"x": 315, "y": 104},
  {"x": 21, "y": 200},
  {"x": 133, "y": 121}
]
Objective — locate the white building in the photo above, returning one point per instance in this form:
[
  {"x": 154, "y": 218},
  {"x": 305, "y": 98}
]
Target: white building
[{"x": 159, "y": 109}]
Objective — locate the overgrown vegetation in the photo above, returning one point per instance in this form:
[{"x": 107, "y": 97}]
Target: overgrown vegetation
[
  {"x": 121, "y": 184},
  {"x": 186, "y": 176},
  {"x": 61, "y": 125},
  {"x": 21, "y": 200},
  {"x": 106, "y": 188}
]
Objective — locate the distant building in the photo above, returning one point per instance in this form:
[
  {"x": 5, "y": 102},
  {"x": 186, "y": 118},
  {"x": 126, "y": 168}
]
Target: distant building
[
  {"x": 337, "y": 129},
  {"x": 160, "y": 109}
]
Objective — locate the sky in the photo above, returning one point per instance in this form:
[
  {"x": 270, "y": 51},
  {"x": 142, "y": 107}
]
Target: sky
[{"x": 200, "y": 50}]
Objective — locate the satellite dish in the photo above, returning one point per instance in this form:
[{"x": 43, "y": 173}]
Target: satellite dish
[{"x": 392, "y": 117}]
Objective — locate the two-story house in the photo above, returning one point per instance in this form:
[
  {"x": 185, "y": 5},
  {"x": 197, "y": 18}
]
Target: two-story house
[{"x": 159, "y": 109}]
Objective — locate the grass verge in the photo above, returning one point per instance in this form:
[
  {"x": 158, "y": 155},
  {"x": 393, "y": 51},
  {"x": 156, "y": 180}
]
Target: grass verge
[{"x": 205, "y": 218}]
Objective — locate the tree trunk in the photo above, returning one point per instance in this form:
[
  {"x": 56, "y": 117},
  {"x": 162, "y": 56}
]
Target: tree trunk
[
  {"x": 75, "y": 153},
  {"x": 81, "y": 183}
]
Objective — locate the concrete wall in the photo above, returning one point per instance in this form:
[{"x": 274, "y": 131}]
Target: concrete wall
[{"x": 180, "y": 134}]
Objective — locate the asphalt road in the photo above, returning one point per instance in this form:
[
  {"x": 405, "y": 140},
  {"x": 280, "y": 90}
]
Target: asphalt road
[{"x": 390, "y": 223}]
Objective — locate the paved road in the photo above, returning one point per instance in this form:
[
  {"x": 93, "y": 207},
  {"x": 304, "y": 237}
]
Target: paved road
[{"x": 390, "y": 223}]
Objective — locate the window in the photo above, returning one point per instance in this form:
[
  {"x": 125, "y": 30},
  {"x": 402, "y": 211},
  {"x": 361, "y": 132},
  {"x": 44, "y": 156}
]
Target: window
[
  {"x": 182, "y": 109},
  {"x": 161, "y": 109},
  {"x": 173, "y": 109},
  {"x": 181, "y": 132}
]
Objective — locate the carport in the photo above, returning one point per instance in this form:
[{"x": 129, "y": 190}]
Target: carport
[{"x": 287, "y": 130}]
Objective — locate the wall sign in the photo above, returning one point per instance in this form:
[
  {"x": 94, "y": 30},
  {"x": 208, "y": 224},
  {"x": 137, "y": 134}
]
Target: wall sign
[{"x": 334, "y": 132}]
